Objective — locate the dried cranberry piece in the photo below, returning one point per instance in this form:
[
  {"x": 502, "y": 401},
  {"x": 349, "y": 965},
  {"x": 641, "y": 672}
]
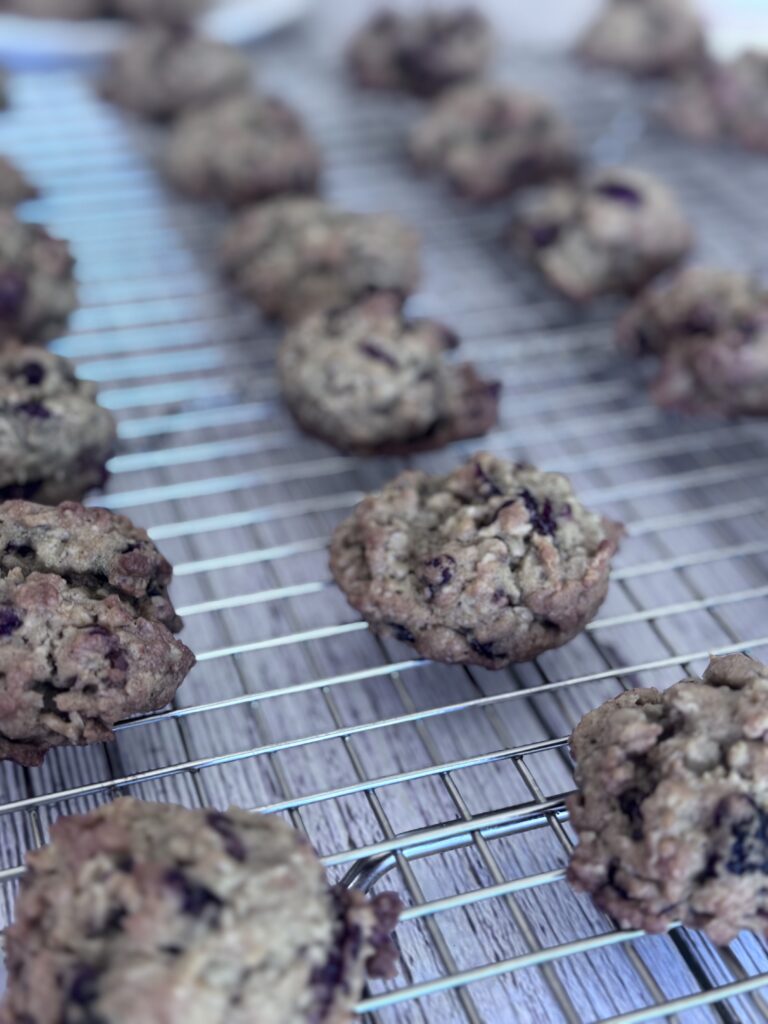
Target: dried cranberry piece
[
  {"x": 629, "y": 802},
  {"x": 117, "y": 659},
  {"x": 542, "y": 519},
  {"x": 485, "y": 650},
  {"x": 746, "y": 826},
  {"x": 20, "y": 550},
  {"x": 9, "y": 621},
  {"x": 114, "y": 653},
  {"x": 438, "y": 572},
  {"x": 13, "y": 291},
  {"x": 543, "y": 235},
  {"x": 33, "y": 373},
  {"x": 401, "y": 633},
  {"x": 195, "y": 898},
  {"x": 620, "y": 192},
  {"x": 374, "y": 351},
  {"x": 700, "y": 320},
  {"x": 487, "y": 487},
  {"x": 84, "y": 986},
  {"x": 35, "y": 409},
  {"x": 233, "y": 844}
]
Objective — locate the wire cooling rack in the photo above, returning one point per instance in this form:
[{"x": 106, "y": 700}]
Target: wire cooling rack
[{"x": 444, "y": 783}]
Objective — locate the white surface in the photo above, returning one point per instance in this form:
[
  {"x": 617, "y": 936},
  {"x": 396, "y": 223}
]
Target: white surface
[{"x": 233, "y": 21}]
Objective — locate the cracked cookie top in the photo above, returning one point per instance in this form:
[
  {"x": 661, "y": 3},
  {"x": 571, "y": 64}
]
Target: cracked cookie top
[
  {"x": 84, "y": 627},
  {"x": 491, "y": 564},
  {"x": 420, "y": 53},
  {"x": 132, "y": 897},
  {"x": 672, "y": 803},
  {"x": 72, "y": 665},
  {"x": 298, "y": 256},
  {"x": 92, "y": 549},
  {"x": 490, "y": 140},
  {"x": 55, "y": 438},
  {"x": 366, "y": 379}
]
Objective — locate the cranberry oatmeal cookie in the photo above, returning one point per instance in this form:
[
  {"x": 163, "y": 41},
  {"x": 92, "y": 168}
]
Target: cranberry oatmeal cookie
[
  {"x": 492, "y": 564},
  {"x": 420, "y": 53},
  {"x": 85, "y": 627},
  {"x": 37, "y": 286},
  {"x": 367, "y": 380},
  {"x": 489, "y": 140},
  {"x": 243, "y": 149},
  {"x": 709, "y": 329},
  {"x": 55, "y": 438},
  {"x": 298, "y": 256},
  {"x": 645, "y": 37},
  {"x": 143, "y": 912},
  {"x": 672, "y": 807},
  {"x": 611, "y": 233},
  {"x": 161, "y": 73}
]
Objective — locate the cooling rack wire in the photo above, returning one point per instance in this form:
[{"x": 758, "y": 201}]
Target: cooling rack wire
[{"x": 446, "y": 784}]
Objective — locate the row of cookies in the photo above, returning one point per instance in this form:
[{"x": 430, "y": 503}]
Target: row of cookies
[
  {"x": 353, "y": 370},
  {"x": 55, "y": 439},
  {"x": 671, "y": 813},
  {"x": 708, "y": 99},
  {"x": 518, "y": 566},
  {"x": 85, "y": 619},
  {"x": 527, "y": 510},
  {"x": 86, "y": 640},
  {"x": 604, "y": 232}
]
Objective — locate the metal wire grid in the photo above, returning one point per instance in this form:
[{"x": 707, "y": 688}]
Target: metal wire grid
[{"x": 446, "y": 784}]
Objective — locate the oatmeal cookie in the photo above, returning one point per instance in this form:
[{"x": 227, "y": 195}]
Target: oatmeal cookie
[
  {"x": 491, "y": 564},
  {"x": 710, "y": 330},
  {"x": 142, "y": 912},
  {"x": 723, "y": 102},
  {"x": 85, "y": 625},
  {"x": 645, "y": 37},
  {"x": 55, "y": 438},
  {"x": 243, "y": 149},
  {"x": 37, "y": 285},
  {"x": 489, "y": 140},
  {"x": 367, "y": 380},
  {"x": 421, "y": 53},
  {"x": 297, "y": 256},
  {"x": 611, "y": 233},
  {"x": 161, "y": 73},
  {"x": 672, "y": 804}
]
